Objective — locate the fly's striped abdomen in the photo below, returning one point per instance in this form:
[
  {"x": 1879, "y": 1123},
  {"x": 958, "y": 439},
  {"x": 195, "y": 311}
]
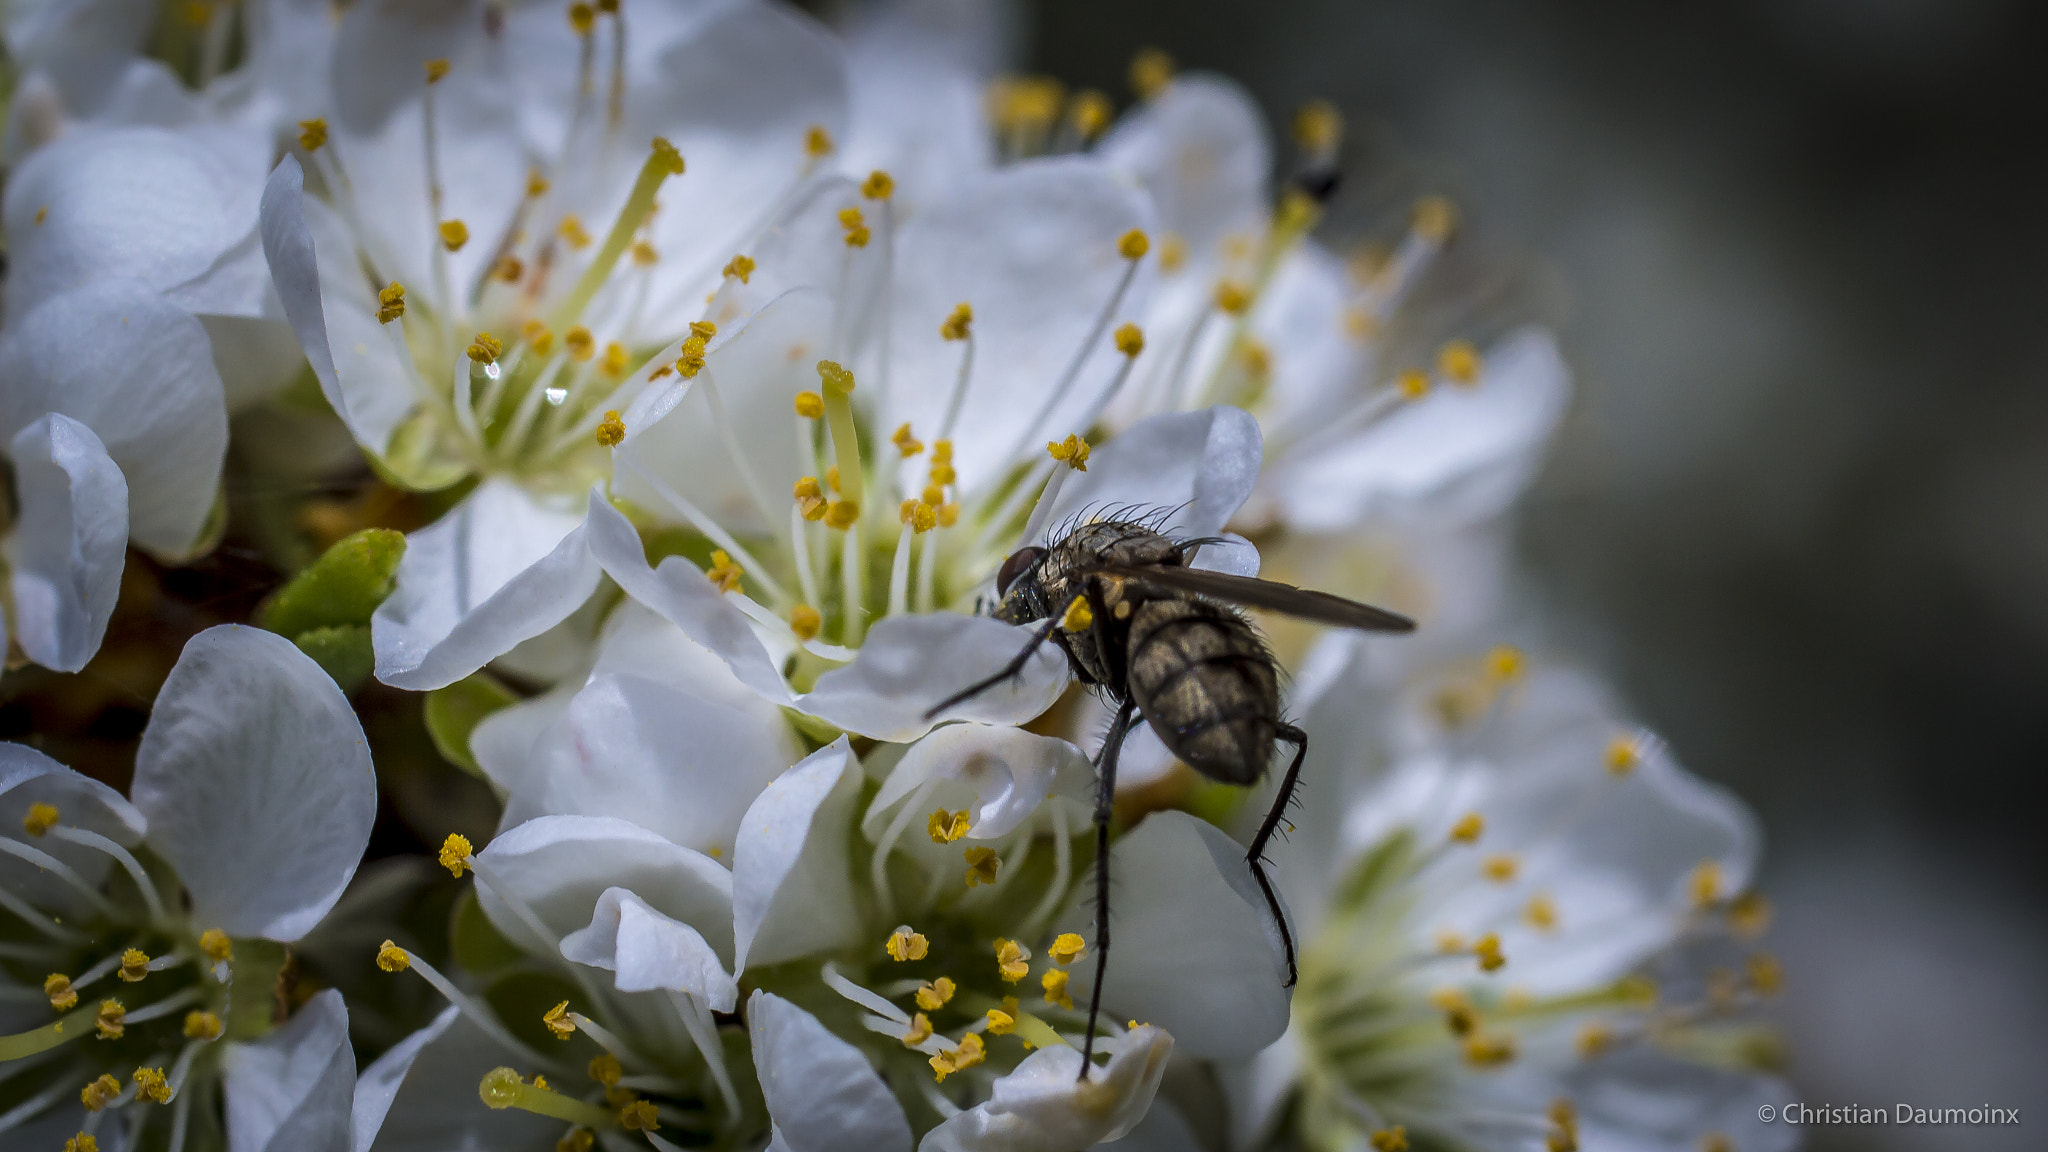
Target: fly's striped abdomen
[{"x": 1201, "y": 675}]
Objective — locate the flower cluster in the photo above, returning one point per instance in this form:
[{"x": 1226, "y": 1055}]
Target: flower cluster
[{"x": 720, "y": 360}]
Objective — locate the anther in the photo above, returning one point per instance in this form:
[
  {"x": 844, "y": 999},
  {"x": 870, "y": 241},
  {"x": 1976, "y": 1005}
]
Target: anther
[
  {"x": 1487, "y": 950},
  {"x": 579, "y": 342},
  {"x": 1318, "y": 127},
  {"x": 855, "y": 225},
  {"x": 1013, "y": 961},
  {"x": 558, "y": 1022},
  {"x": 1704, "y": 885},
  {"x": 508, "y": 269},
  {"x": 805, "y": 621},
  {"x": 202, "y": 1025},
  {"x": 312, "y": 134},
  {"x": 436, "y": 69},
  {"x": 946, "y": 827},
  {"x": 1622, "y": 756},
  {"x": 40, "y": 819},
  {"x": 1468, "y": 828},
  {"x": 1232, "y": 298},
  {"x": 842, "y": 514},
  {"x": 1078, "y": 615},
  {"x": 1504, "y": 662},
  {"x": 639, "y": 1116},
  {"x": 933, "y": 495},
  {"x": 1073, "y": 451},
  {"x": 644, "y": 254},
  {"x": 1716, "y": 1142},
  {"x": 536, "y": 183},
  {"x": 905, "y": 944},
  {"x": 134, "y": 966},
  {"x": 1593, "y": 1039},
  {"x": 1000, "y": 1023},
  {"x": 613, "y": 362},
  {"x": 1459, "y": 362},
  {"x": 454, "y": 234},
  {"x": 981, "y": 866},
  {"x": 924, "y": 517},
  {"x": 1090, "y": 113},
  {"x": 936, "y": 995},
  {"x": 1541, "y": 912},
  {"x": 572, "y": 232},
  {"x": 83, "y": 1142},
  {"x": 111, "y": 1019},
  {"x": 817, "y": 142},
  {"x": 1413, "y": 383},
  {"x": 967, "y": 1055},
  {"x": 1564, "y": 1131},
  {"x": 1173, "y": 253},
  {"x": 1764, "y": 973},
  {"x": 216, "y": 946},
  {"x": 1067, "y": 948},
  {"x": 810, "y": 498},
  {"x": 1489, "y": 1051},
  {"x": 810, "y": 405},
  {"x": 485, "y": 349},
  {"x": 392, "y": 958},
  {"x": 578, "y": 1140},
  {"x": 537, "y": 337},
  {"x": 1133, "y": 244},
  {"x": 1434, "y": 218},
  {"x": 878, "y": 186},
  {"x": 99, "y": 1093},
  {"x": 1054, "y": 982},
  {"x": 1393, "y": 1139},
  {"x": 151, "y": 1085},
  {"x": 1749, "y": 915},
  {"x": 739, "y": 267},
  {"x": 1499, "y": 868},
  {"x": 57, "y": 987},
  {"x": 949, "y": 514},
  {"x": 1151, "y": 72},
  {"x": 1130, "y": 340},
  {"x": 920, "y": 1030},
  {"x": 606, "y": 1069},
  {"x": 455, "y": 853},
  {"x": 906, "y": 443},
  {"x": 723, "y": 573}
]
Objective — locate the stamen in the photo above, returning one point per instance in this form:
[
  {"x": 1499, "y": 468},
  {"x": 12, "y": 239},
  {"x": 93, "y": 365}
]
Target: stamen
[
  {"x": 1068, "y": 948},
  {"x": 392, "y": 958},
  {"x": 878, "y": 186},
  {"x": 1469, "y": 828},
  {"x": 99, "y": 1093},
  {"x": 203, "y": 1026},
  {"x": 1393, "y": 1139},
  {"x": 164, "y": 1007},
  {"x": 855, "y": 225},
  {"x": 111, "y": 1019},
  {"x": 936, "y": 995},
  {"x": 905, "y": 944},
  {"x": 899, "y": 563},
  {"x": 1499, "y": 868},
  {"x": 391, "y": 303},
  {"x": 1459, "y": 361},
  {"x": 946, "y": 827},
  {"x": 805, "y": 620},
  {"x": 558, "y": 1022},
  {"x": 501, "y": 1088},
  {"x": 152, "y": 1085},
  {"x": 62, "y": 871},
  {"x": 1013, "y": 960},
  {"x": 1704, "y": 885},
  {"x": 838, "y": 983},
  {"x": 134, "y": 966},
  {"x": 40, "y": 819},
  {"x": 817, "y": 142},
  {"x": 63, "y": 997},
  {"x": 216, "y": 946},
  {"x": 1001, "y": 1022},
  {"x": 454, "y": 234},
  {"x": 920, "y": 1030},
  {"x": 741, "y": 267},
  {"x": 1054, "y": 981},
  {"x": 1487, "y": 950},
  {"x": 1622, "y": 756},
  {"x": 982, "y": 863},
  {"x": 662, "y": 162},
  {"x": 723, "y": 573},
  {"x": 1132, "y": 246},
  {"x": 1090, "y": 114},
  {"x": 967, "y": 1055},
  {"x": 1151, "y": 72}
]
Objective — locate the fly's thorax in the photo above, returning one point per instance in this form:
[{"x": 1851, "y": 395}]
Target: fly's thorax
[{"x": 1203, "y": 678}]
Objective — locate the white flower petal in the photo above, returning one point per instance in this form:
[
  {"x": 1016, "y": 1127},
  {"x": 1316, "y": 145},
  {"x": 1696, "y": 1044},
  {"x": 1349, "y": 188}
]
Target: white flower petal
[
  {"x": 69, "y": 543},
  {"x": 791, "y": 892},
  {"x": 139, "y": 372},
  {"x": 1459, "y": 455},
  {"x": 292, "y": 1090},
  {"x": 434, "y": 1107},
  {"x": 377, "y": 1087},
  {"x": 1650, "y": 1102},
  {"x": 1257, "y": 1088},
  {"x": 1007, "y": 772},
  {"x": 1033, "y": 248},
  {"x": 907, "y": 664},
  {"x": 27, "y": 777},
  {"x": 918, "y": 93},
  {"x": 1200, "y": 466},
  {"x": 1200, "y": 149},
  {"x": 1044, "y": 1107},
  {"x": 1193, "y": 948},
  {"x": 559, "y": 866},
  {"x": 1161, "y": 1129},
  {"x": 257, "y": 782},
  {"x": 498, "y": 569},
  {"x": 650, "y": 951},
  {"x": 822, "y": 1094}
]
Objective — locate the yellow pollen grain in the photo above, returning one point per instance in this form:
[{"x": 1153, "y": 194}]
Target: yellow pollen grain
[
  {"x": 644, "y": 254},
  {"x": 1151, "y": 72},
  {"x": 111, "y": 1019},
  {"x": 580, "y": 343},
  {"x": 1073, "y": 451},
  {"x": 1133, "y": 244},
  {"x": 1621, "y": 756},
  {"x": 1414, "y": 384},
  {"x": 1459, "y": 362},
  {"x": 739, "y": 267},
  {"x": 959, "y": 322},
  {"x": 723, "y": 572},
  {"x": 455, "y": 853},
  {"x": 1067, "y": 948},
  {"x": 1054, "y": 983},
  {"x": 536, "y": 183},
  {"x": 920, "y": 1031},
  {"x": 1704, "y": 885},
  {"x": 1232, "y": 298},
  {"x": 1013, "y": 963},
  {"x": 134, "y": 966},
  {"x": 1541, "y": 912},
  {"x": 42, "y": 214},
  {"x": 83, "y": 1142},
  {"x": 216, "y": 945},
  {"x": 1090, "y": 113},
  {"x": 151, "y": 1085},
  {"x": 906, "y": 443},
  {"x": 202, "y": 1026},
  {"x": 454, "y": 234},
  {"x": 436, "y": 69},
  {"x": 1393, "y": 1139},
  {"x": 946, "y": 827},
  {"x": 99, "y": 1093},
  {"x": 933, "y": 495},
  {"x": 485, "y": 349},
  {"x": 937, "y": 994},
  {"x": 817, "y": 142},
  {"x": 572, "y": 232},
  {"x": 981, "y": 866},
  {"x": 1500, "y": 868},
  {"x": 40, "y": 819},
  {"x": 1469, "y": 828},
  {"x": 1487, "y": 950},
  {"x": 639, "y": 1116},
  {"x": 392, "y": 958},
  {"x": 924, "y": 517},
  {"x": 57, "y": 986},
  {"x": 1078, "y": 615},
  {"x": 1434, "y": 218},
  {"x": 1130, "y": 339},
  {"x": 558, "y": 1022},
  {"x": 842, "y": 514},
  {"x": 878, "y": 186},
  {"x": 810, "y": 405},
  {"x": 904, "y": 945},
  {"x": 312, "y": 134},
  {"x": 1318, "y": 127},
  {"x": 703, "y": 329},
  {"x": 1000, "y": 1023},
  {"x": 1593, "y": 1039},
  {"x": 805, "y": 621}
]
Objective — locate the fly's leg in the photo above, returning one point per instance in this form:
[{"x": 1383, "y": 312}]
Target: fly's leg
[
  {"x": 1255, "y": 856},
  {"x": 1013, "y": 668},
  {"x": 1105, "y": 806}
]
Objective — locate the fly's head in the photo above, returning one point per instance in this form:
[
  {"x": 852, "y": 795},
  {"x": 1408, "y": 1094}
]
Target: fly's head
[{"x": 1021, "y": 598}]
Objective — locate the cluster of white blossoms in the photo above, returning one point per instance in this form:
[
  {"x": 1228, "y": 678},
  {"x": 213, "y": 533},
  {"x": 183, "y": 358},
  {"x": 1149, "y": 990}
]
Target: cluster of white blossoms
[{"x": 741, "y": 352}]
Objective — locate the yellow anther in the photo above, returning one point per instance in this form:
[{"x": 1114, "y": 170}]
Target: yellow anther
[
  {"x": 1704, "y": 885},
  {"x": 536, "y": 183},
  {"x": 644, "y": 254},
  {"x": 537, "y": 337},
  {"x": 810, "y": 405},
  {"x": 835, "y": 377},
  {"x": 1151, "y": 72},
  {"x": 1073, "y": 450},
  {"x": 83, "y": 1142},
  {"x": 99, "y": 1093},
  {"x": 1000, "y": 1023},
  {"x": 1173, "y": 253},
  {"x": 639, "y": 1116},
  {"x": 57, "y": 986},
  {"x": 558, "y": 1022},
  {"x": 1622, "y": 755},
  {"x": 1090, "y": 113},
  {"x": 391, "y": 303},
  {"x": 805, "y": 621},
  {"x": 904, "y": 944},
  {"x": 842, "y": 514},
  {"x": 1716, "y": 1142},
  {"x": 967, "y": 1055},
  {"x": 924, "y": 517},
  {"x": 1318, "y": 127},
  {"x": 606, "y": 1069},
  {"x": 455, "y": 853},
  {"x": 1504, "y": 662},
  {"x": 1067, "y": 948},
  {"x": 691, "y": 361},
  {"x": 810, "y": 498},
  {"x": 111, "y": 1019},
  {"x": 949, "y": 514},
  {"x": 937, "y": 994},
  {"x": 1360, "y": 324},
  {"x": 1469, "y": 828},
  {"x": 216, "y": 945},
  {"x": 1133, "y": 244},
  {"x": 454, "y": 234},
  {"x": 906, "y": 443},
  {"x": 134, "y": 966},
  {"x": 1765, "y": 974},
  {"x": 1564, "y": 1132},
  {"x": 1054, "y": 982},
  {"x": 943, "y": 473},
  {"x": 723, "y": 572},
  {"x": 817, "y": 141},
  {"x": 1487, "y": 949},
  {"x": 920, "y": 1030},
  {"x": 1499, "y": 868},
  {"x": 312, "y": 134},
  {"x": 151, "y": 1085},
  {"x": 1258, "y": 359},
  {"x": 578, "y": 1140},
  {"x": 392, "y": 958},
  {"x": 1636, "y": 989},
  {"x": 933, "y": 495},
  {"x": 485, "y": 349},
  {"x": 855, "y": 226},
  {"x": 1459, "y": 362},
  {"x": 613, "y": 362},
  {"x": 1013, "y": 961},
  {"x": 1541, "y": 912},
  {"x": 436, "y": 69},
  {"x": 739, "y": 267},
  {"x": 1130, "y": 339},
  {"x": 946, "y": 827},
  {"x": 1449, "y": 943},
  {"x": 1232, "y": 297},
  {"x": 572, "y": 232},
  {"x": 40, "y": 819},
  {"x": 1434, "y": 219},
  {"x": 703, "y": 329},
  {"x": 981, "y": 866},
  {"x": 666, "y": 157},
  {"x": 580, "y": 343},
  {"x": 42, "y": 213},
  {"x": 959, "y": 322},
  {"x": 1749, "y": 915},
  {"x": 1414, "y": 384},
  {"x": 942, "y": 452},
  {"x": 200, "y": 1025},
  {"x": 878, "y": 185},
  {"x": 508, "y": 269},
  {"x": 1593, "y": 1039},
  {"x": 1393, "y": 1139},
  {"x": 1078, "y": 615},
  {"x": 1489, "y": 1051}
]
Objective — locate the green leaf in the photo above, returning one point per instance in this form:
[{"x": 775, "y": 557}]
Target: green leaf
[
  {"x": 453, "y": 713},
  {"x": 343, "y": 651},
  {"x": 342, "y": 587}
]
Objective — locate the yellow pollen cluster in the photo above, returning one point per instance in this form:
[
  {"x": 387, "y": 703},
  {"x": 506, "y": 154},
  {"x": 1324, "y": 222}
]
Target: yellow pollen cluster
[
  {"x": 1434, "y": 219},
  {"x": 690, "y": 357},
  {"x": 455, "y": 853},
  {"x": 578, "y": 1140},
  {"x": 981, "y": 866},
  {"x": 1067, "y": 948},
  {"x": 1133, "y": 244},
  {"x": 1232, "y": 298},
  {"x": 644, "y": 254},
  {"x": 1173, "y": 254},
  {"x": 436, "y": 69},
  {"x": 392, "y": 958},
  {"x": 942, "y": 464},
  {"x": 580, "y": 343},
  {"x": 967, "y": 1055},
  {"x": 1459, "y": 362},
  {"x": 1001, "y": 1022},
  {"x": 83, "y": 1142},
  {"x": 842, "y": 514},
  {"x": 1541, "y": 912},
  {"x": 485, "y": 349},
  {"x": 312, "y": 134},
  {"x": 904, "y": 945},
  {"x": 1393, "y": 1139},
  {"x": 1073, "y": 450},
  {"x": 805, "y": 621},
  {"x": 57, "y": 986},
  {"x": 151, "y": 1085},
  {"x": 536, "y": 183},
  {"x": 936, "y": 995},
  {"x": 1078, "y": 615},
  {"x": 40, "y": 819},
  {"x": 1151, "y": 72},
  {"x": 878, "y": 186},
  {"x": 739, "y": 267},
  {"x": 723, "y": 572},
  {"x": 1414, "y": 384},
  {"x": 1504, "y": 663},
  {"x": 1318, "y": 127},
  {"x": 1716, "y": 1142},
  {"x": 391, "y": 303},
  {"x": 906, "y": 443},
  {"x": 639, "y": 1116},
  {"x": 111, "y": 1019},
  {"x": 809, "y": 405},
  {"x": 454, "y": 234},
  {"x": 1013, "y": 962},
  {"x": 99, "y": 1093},
  {"x": 1622, "y": 756},
  {"x": 606, "y": 1069},
  {"x": 1258, "y": 359},
  {"x": 857, "y": 233},
  {"x": 572, "y": 232},
  {"x": 1487, "y": 949},
  {"x": 1468, "y": 828},
  {"x": 920, "y": 1031},
  {"x": 1130, "y": 339},
  {"x": 810, "y": 498},
  {"x": 134, "y": 966},
  {"x": 817, "y": 142},
  {"x": 558, "y": 1022},
  {"x": 1499, "y": 868},
  {"x": 946, "y": 827},
  {"x": 1025, "y": 105},
  {"x": 1704, "y": 885},
  {"x": 508, "y": 269},
  {"x": 1090, "y": 114},
  {"x": 202, "y": 1026},
  {"x": 1054, "y": 982},
  {"x": 958, "y": 322},
  {"x": 216, "y": 945}
]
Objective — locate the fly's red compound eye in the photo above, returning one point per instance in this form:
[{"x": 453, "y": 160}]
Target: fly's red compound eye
[{"x": 1019, "y": 562}]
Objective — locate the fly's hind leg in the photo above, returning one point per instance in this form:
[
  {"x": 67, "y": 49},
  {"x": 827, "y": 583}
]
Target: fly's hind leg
[
  {"x": 1255, "y": 856},
  {"x": 1014, "y": 668},
  {"x": 1105, "y": 807}
]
